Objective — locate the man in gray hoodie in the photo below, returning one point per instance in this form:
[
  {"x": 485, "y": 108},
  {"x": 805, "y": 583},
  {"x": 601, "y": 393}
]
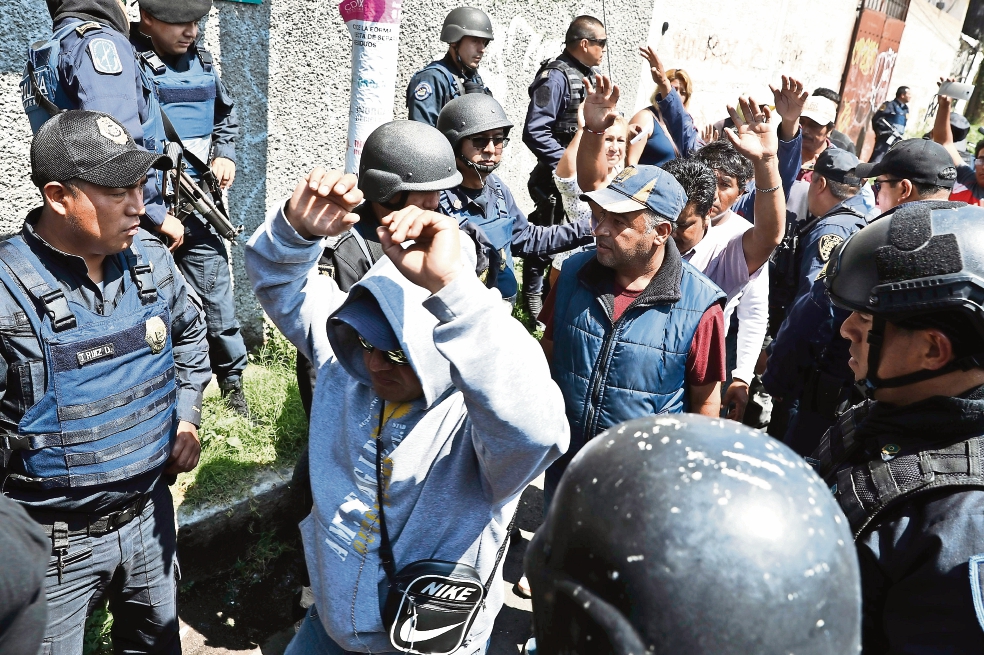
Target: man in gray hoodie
[{"x": 423, "y": 353}]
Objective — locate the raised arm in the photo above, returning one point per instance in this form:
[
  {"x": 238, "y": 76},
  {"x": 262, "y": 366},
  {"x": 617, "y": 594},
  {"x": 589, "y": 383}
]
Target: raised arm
[
  {"x": 282, "y": 255},
  {"x": 757, "y": 139},
  {"x": 599, "y": 114},
  {"x": 943, "y": 133},
  {"x": 498, "y": 367}
]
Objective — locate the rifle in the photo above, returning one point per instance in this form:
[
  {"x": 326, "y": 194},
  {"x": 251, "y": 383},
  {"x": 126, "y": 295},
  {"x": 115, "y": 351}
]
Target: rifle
[{"x": 185, "y": 196}]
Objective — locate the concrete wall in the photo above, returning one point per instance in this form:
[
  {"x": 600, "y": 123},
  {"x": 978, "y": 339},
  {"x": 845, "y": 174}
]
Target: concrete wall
[{"x": 287, "y": 63}]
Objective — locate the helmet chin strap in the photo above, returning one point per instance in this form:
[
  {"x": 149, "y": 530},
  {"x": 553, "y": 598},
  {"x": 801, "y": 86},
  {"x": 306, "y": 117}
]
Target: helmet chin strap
[
  {"x": 465, "y": 68},
  {"x": 870, "y": 384},
  {"x": 481, "y": 169}
]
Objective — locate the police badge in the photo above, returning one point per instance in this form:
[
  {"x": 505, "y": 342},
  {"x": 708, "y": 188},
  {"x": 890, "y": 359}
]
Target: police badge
[
  {"x": 827, "y": 244},
  {"x": 156, "y": 334}
]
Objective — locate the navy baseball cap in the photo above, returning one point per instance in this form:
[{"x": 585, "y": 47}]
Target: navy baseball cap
[
  {"x": 916, "y": 160},
  {"x": 364, "y": 315},
  {"x": 642, "y": 187},
  {"x": 837, "y": 165}
]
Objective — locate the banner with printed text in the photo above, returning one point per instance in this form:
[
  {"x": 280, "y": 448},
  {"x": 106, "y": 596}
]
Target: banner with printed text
[{"x": 375, "y": 29}]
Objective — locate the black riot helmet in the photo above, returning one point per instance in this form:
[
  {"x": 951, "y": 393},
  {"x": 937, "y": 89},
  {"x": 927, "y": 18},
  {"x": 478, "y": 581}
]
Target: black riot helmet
[
  {"x": 466, "y": 21},
  {"x": 404, "y": 156},
  {"x": 468, "y": 115},
  {"x": 920, "y": 266},
  {"x": 687, "y": 534},
  {"x": 177, "y": 11}
]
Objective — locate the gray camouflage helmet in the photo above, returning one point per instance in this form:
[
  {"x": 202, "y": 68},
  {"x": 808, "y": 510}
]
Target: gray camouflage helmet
[
  {"x": 470, "y": 114},
  {"x": 466, "y": 21},
  {"x": 403, "y": 156}
]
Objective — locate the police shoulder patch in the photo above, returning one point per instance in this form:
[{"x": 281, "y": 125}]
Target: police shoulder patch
[
  {"x": 423, "y": 91},
  {"x": 84, "y": 28},
  {"x": 976, "y": 583},
  {"x": 105, "y": 58},
  {"x": 883, "y": 107},
  {"x": 827, "y": 244}
]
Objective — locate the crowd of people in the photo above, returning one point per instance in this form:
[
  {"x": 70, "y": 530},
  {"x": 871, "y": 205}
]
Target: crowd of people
[{"x": 681, "y": 277}]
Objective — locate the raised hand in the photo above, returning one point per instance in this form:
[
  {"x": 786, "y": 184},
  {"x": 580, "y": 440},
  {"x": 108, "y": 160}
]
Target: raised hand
[
  {"x": 599, "y": 103},
  {"x": 789, "y": 99},
  {"x": 755, "y": 136},
  {"x": 322, "y": 203},
  {"x": 434, "y": 258},
  {"x": 656, "y": 69},
  {"x": 709, "y": 134}
]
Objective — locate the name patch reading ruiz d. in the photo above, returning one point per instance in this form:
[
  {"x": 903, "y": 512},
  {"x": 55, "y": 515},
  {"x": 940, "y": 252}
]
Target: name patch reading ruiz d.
[{"x": 99, "y": 352}]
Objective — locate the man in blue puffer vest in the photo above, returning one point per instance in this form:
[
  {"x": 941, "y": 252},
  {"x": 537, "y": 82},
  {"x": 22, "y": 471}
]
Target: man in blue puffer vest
[
  {"x": 631, "y": 329},
  {"x": 193, "y": 98}
]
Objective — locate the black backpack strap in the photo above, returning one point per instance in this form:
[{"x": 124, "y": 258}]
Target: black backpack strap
[
  {"x": 52, "y": 299},
  {"x": 385, "y": 547}
]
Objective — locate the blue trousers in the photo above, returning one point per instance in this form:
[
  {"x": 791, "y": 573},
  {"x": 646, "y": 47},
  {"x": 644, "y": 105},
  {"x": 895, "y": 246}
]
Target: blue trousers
[
  {"x": 137, "y": 568},
  {"x": 312, "y": 639},
  {"x": 204, "y": 262}
]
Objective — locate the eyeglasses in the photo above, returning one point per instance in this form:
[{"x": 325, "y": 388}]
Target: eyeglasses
[
  {"x": 877, "y": 185},
  {"x": 482, "y": 142},
  {"x": 602, "y": 42},
  {"x": 979, "y": 161},
  {"x": 397, "y": 357}
]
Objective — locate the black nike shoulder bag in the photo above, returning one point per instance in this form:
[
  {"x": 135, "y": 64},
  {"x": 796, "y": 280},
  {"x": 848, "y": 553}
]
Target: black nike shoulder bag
[{"x": 431, "y": 603}]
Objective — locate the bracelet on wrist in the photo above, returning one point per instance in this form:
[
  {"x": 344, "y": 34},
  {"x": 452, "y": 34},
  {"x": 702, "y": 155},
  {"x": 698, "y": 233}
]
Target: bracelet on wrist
[
  {"x": 588, "y": 129},
  {"x": 773, "y": 189}
]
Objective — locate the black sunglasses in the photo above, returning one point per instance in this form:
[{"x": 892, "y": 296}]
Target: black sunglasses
[
  {"x": 877, "y": 185},
  {"x": 482, "y": 142},
  {"x": 602, "y": 42},
  {"x": 397, "y": 357}
]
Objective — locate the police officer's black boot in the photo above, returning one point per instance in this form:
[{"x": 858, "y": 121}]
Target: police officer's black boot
[{"x": 235, "y": 399}]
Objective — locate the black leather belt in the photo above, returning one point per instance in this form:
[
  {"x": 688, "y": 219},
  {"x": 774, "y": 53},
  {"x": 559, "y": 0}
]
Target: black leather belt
[{"x": 88, "y": 524}]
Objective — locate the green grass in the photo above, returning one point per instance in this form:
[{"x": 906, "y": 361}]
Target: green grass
[
  {"x": 233, "y": 450},
  {"x": 97, "y": 627}
]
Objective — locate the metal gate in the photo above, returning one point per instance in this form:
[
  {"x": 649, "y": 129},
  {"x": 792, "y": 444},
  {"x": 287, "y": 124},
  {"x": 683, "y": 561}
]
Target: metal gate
[{"x": 869, "y": 69}]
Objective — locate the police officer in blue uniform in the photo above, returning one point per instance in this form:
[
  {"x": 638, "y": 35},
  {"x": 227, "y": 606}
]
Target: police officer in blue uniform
[
  {"x": 814, "y": 375},
  {"x": 467, "y": 31},
  {"x": 889, "y": 123},
  {"x": 478, "y": 129},
  {"x": 906, "y": 465},
  {"x": 556, "y": 94},
  {"x": 103, "y": 362},
  {"x": 203, "y": 116},
  {"x": 809, "y": 359},
  {"x": 88, "y": 63}
]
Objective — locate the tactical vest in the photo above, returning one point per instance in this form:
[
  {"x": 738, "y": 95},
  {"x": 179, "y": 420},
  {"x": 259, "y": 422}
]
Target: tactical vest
[
  {"x": 44, "y": 56},
  {"x": 565, "y": 126},
  {"x": 498, "y": 227},
  {"x": 472, "y": 85},
  {"x": 787, "y": 261},
  {"x": 865, "y": 491},
  {"x": 108, "y": 410},
  {"x": 188, "y": 99},
  {"x": 610, "y": 373}
]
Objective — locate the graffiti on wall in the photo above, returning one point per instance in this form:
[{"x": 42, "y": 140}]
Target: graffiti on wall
[{"x": 870, "y": 67}]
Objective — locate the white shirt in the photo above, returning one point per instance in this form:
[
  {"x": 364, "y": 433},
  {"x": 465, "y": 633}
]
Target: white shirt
[{"x": 721, "y": 257}]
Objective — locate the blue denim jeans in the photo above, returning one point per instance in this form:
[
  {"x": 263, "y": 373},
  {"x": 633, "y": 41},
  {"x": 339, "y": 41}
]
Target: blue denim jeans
[
  {"x": 312, "y": 639},
  {"x": 204, "y": 262},
  {"x": 136, "y": 567}
]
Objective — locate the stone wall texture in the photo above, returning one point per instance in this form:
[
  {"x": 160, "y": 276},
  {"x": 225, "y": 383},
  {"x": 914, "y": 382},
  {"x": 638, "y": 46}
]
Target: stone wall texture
[{"x": 287, "y": 63}]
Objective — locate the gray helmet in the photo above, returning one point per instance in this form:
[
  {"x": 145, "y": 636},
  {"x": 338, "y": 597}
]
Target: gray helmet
[
  {"x": 688, "y": 534},
  {"x": 466, "y": 21},
  {"x": 177, "y": 11},
  {"x": 471, "y": 114},
  {"x": 403, "y": 156},
  {"x": 925, "y": 259}
]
